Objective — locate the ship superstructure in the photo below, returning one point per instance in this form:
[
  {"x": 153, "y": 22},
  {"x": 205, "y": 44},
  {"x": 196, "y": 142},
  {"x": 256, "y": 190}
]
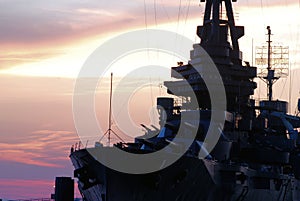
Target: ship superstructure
[{"x": 257, "y": 155}]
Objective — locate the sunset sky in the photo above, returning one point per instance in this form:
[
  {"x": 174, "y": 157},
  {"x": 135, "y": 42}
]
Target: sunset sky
[{"x": 45, "y": 43}]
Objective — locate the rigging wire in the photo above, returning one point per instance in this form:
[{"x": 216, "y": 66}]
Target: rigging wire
[
  {"x": 292, "y": 82},
  {"x": 155, "y": 12},
  {"x": 294, "y": 37},
  {"x": 164, "y": 9},
  {"x": 261, "y": 6},
  {"x": 185, "y": 19},
  {"x": 146, "y": 26},
  {"x": 262, "y": 12},
  {"x": 151, "y": 91},
  {"x": 290, "y": 65},
  {"x": 178, "y": 19},
  {"x": 187, "y": 11},
  {"x": 187, "y": 14},
  {"x": 290, "y": 88},
  {"x": 283, "y": 87},
  {"x": 145, "y": 15},
  {"x": 179, "y": 13},
  {"x": 156, "y": 25},
  {"x": 177, "y": 27}
]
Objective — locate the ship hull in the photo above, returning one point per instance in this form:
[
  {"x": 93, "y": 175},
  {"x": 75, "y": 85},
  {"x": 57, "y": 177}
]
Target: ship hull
[{"x": 188, "y": 179}]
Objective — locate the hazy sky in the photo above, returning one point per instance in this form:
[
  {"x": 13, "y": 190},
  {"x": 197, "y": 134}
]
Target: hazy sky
[{"x": 43, "y": 47}]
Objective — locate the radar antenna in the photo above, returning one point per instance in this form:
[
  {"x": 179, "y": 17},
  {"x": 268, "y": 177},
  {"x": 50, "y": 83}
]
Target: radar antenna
[
  {"x": 273, "y": 61},
  {"x": 271, "y": 73},
  {"x": 109, "y": 130}
]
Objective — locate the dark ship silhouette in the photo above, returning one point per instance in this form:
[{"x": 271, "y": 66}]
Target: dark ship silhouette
[{"x": 257, "y": 156}]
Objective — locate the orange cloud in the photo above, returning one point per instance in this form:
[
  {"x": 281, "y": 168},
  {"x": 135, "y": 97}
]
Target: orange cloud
[
  {"x": 42, "y": 148},
  {"x": 24, "y": 183},
  {"x": 22, "y": 156},
  {"x": 10, "y": 59},
  {"x": 22, "y": 189},
  {"x": 34, "y": 28}
]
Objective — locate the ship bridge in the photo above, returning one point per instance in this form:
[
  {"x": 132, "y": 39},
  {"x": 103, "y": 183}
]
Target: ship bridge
[{"x": 219, "y": 38}]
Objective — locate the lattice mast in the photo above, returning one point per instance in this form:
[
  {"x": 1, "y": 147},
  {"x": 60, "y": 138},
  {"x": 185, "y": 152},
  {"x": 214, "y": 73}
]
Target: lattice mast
[{"x": 273, "y": 61}]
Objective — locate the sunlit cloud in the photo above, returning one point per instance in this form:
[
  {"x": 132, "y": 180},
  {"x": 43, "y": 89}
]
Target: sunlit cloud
[
  {"x": 8, "y": 60},
  {"x": 23, "y": 183},
  {"x": 96, "y": 12},
  {"x": 42, "y": 188},
  {"x": 23, "y": 156},
  {"x": 32, "y": 23},
  {"x": 267, "y": 4},
  {"x": 42, "y": 26},
  {"x": 42, "y": 148}
]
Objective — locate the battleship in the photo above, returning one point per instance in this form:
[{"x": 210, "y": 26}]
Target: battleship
[{"x": 256, "y": 156}]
